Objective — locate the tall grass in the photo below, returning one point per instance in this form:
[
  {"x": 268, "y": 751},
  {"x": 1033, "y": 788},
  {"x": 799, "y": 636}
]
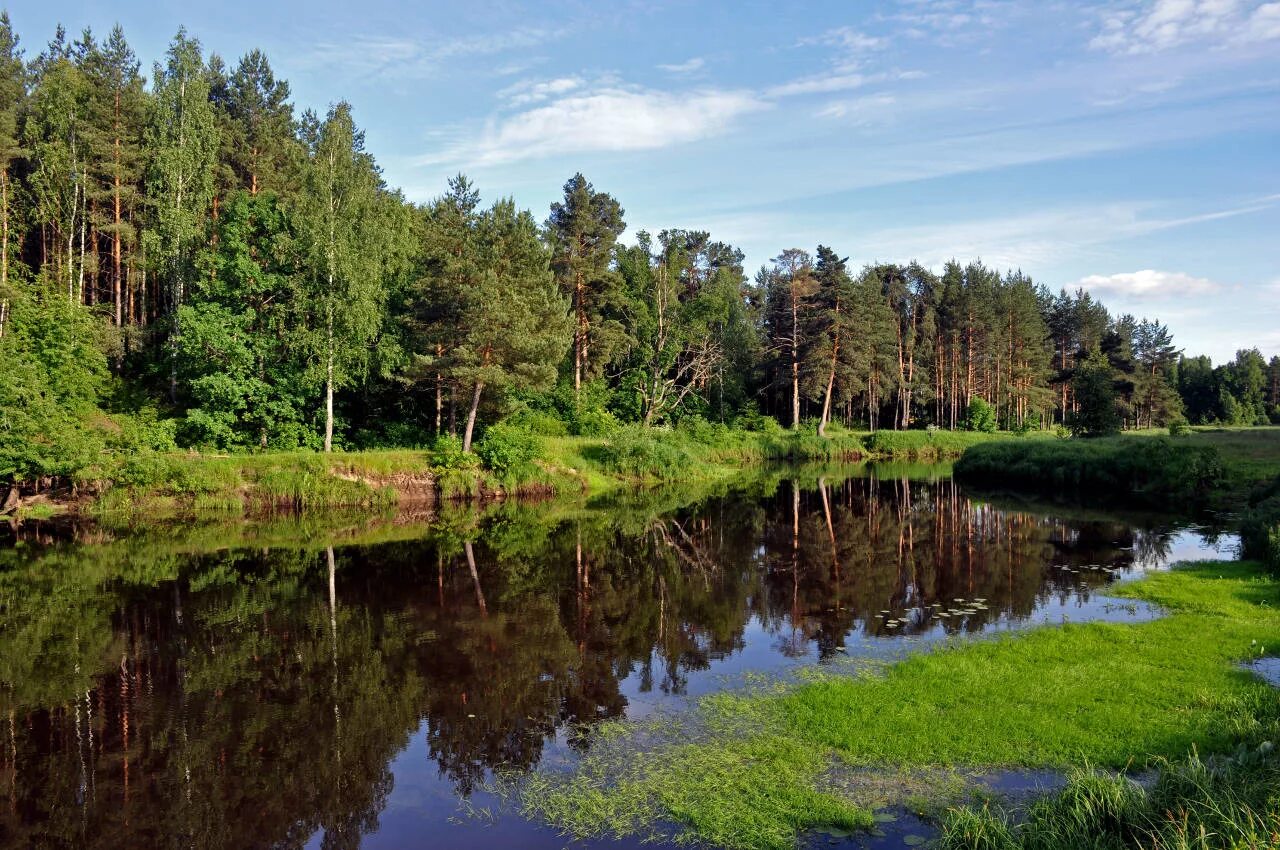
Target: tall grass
[
  {"x": 1260, "y": 526},
  {"x": 1219, "y": 804},
  {"x": 1150, "y": 472}
]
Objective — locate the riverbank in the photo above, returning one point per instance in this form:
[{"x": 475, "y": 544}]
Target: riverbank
[
  {"x": 765, "y": 767},
  {"x": 772, "y": 765},
  {"x": 1204, "y": 468},
  {"x": 167, "y": 484}
]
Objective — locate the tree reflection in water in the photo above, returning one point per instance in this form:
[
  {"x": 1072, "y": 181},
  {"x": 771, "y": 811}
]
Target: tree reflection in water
[{"x": 244, "y": 697}]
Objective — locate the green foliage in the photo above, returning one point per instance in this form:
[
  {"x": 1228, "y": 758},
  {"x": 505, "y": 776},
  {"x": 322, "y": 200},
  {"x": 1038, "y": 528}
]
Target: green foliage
[
  {"x": 241, "y": 350},
  {"x": 447, "y": 454},
  {"x": 1260, "y": 526},
  {"x": 1154, "y": 472},
  {"x": 924, "y": 444},
  {"x": 1097, "y": 413},
  {"x": 55, "y": 373},
  {"x": 544, "y": 423},
  {"x": 508, "y": 449},
  {"x": 980, "y": 417}
]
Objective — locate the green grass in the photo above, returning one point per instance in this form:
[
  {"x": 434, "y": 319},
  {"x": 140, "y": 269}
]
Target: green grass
[
  {"x": 1160, "y": 472},
  {"x": 1103, "y": 694},
  {"x": 1224, "y": 802}
]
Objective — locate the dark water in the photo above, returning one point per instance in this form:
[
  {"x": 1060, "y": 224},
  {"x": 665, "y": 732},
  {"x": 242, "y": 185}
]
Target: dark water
[{"x": 251, "y": 686}]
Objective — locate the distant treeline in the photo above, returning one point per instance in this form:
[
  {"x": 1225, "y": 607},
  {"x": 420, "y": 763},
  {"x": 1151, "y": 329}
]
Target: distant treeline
[{"x": 184, "y": 258}]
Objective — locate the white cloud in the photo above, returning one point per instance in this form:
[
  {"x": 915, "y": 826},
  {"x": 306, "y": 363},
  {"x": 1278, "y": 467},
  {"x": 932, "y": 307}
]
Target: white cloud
[
  {"x": 605, "y": 119},
  {"x": 531, "y": 91},
  {"x": 1149, "y": 283},
  {"x": 1151, "y": 27},
  {"x": 686, "y": 67}
]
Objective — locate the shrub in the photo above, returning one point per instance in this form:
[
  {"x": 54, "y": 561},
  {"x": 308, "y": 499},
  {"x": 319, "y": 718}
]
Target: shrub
[
  {"x": 593, "y": 422},
  {"x": 980, "y": 417},
  {"x": 1179, "y": 428},
  {"x": 447, "y": 453},
  {"x": 507, "y": 449},
  {"x": 713, "y": 434},
  {"x": 541, "y": 422}
]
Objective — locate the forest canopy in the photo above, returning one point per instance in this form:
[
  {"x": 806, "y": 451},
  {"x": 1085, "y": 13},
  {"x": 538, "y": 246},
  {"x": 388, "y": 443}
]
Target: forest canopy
[{"x": 188, "y": 260}]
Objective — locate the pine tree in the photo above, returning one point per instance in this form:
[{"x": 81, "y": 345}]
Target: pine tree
[
  {"x": 447, "y": 265},
  {"x": 831, "y": 327},
  {"x": 516, "y": 325},
  {"x": 13, "y": 92},
  {"x": 790, "y": 286},
  {"x": 1156, "y": 399},
  {"x": 583, "y": 229},
  {"x": 262, "y": 145},
  {"x": 1097, "y": 413},
  {"x": 54, "y": 135},
  {"x": 117, "y": 108}
]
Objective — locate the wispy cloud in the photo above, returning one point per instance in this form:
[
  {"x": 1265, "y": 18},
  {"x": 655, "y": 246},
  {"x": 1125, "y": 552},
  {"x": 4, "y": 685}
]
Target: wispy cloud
[
  {"x": 686, "y": 67},
  {"x": 817, "y": 84},
  {"x": 411, "y": 57},
  {"x": 1149, "y": 284},
  {"x": 1151, "y": 27},
  {"x": 605, "y": 119}
]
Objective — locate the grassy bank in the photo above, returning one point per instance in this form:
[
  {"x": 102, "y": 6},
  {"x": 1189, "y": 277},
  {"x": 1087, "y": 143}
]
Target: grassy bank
[
  {"x": 1159, "y": 472},
  {"x": 507, "y": 460},
  {"x": 1106, "y": 695}
]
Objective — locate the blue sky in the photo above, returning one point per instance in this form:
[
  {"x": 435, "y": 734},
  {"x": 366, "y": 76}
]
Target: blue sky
[{"x": 1129, "y": 147}]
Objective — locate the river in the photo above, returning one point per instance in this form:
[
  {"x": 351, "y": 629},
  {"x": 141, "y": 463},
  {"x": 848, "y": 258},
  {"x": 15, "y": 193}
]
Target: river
[{"x": 299, "y": 687}]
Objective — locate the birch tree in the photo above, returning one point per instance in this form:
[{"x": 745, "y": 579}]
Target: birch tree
[
  {"x": 355, "y": 230},
  {"x": 181, "y": 141}
]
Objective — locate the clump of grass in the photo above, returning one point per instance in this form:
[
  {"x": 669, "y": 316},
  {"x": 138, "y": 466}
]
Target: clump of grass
[
  {"x": 310, "y": 485},
  {"x": 1224, "y": 802},
  {"x": 755, "y": 792}
]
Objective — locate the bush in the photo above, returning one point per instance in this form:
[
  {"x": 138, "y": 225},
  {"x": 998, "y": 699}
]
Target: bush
[
  {"x": 507, "y": 449},
  {"x": 447, "y": 453},
  {"x": 593, "y": 422},
  {"x": 541, "y": 422},
  {"x": 980, "y": 417},
  {"x": 699, "y": 430},
  {"x": 1179, "y": 428}
]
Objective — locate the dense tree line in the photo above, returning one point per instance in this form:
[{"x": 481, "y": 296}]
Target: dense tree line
[{"x": 188, "y": 253}]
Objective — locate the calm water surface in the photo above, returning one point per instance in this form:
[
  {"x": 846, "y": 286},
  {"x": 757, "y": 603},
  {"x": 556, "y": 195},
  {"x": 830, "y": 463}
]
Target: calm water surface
[{"x": 203, "y": 688}]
